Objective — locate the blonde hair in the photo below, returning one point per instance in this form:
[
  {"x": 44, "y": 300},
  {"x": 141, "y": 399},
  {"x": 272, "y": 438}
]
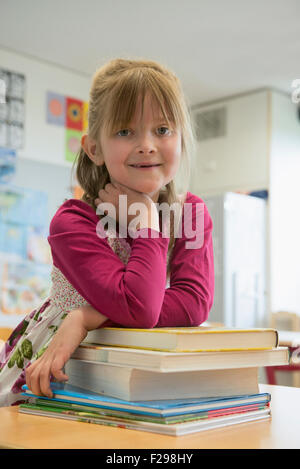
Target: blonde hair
[{"x": 116, "y": 88}]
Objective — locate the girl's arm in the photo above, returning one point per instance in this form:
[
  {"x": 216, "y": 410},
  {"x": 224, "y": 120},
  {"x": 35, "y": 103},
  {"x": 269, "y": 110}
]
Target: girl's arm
[
  {"x": 190, "y": 297},
  {"x": 69, "y": 335},
  {"x": 129, "y": 295}
]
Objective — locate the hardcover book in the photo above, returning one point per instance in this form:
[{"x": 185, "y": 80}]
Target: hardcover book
[{"x": 186, "y": 339}]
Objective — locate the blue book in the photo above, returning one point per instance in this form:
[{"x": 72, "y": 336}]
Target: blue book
[{"x": 162, "y": 408}]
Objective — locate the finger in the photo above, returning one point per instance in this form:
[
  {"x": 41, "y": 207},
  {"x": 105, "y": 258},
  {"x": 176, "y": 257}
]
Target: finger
[
  {"x": 32, "y": 380},
  {"x": 97, "y": 203},
  {"x": 120, "y": 186},
  {"x": 113, "y": 189},
  {"x": 45, "y": 382},
  {"x": 60, "y": 375},
  {"x": 28, "y": 375},
  {"x": 103, "y": 195},
  {"x": 109, "y": 187},
  {"x": 35, "y": 382},
  {"x": 56, "y": 370}
]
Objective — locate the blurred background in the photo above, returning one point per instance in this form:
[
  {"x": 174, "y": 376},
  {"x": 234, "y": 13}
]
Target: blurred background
[{"x": 238, "y": 63}]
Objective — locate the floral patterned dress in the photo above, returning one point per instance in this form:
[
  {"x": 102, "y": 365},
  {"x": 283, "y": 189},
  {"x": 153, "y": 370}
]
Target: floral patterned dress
[{"x": 34, "y": 333}]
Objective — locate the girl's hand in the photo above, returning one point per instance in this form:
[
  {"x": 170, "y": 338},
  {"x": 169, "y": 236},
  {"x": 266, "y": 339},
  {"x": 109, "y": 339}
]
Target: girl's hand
[
  {"x": 69, "y": 335},
  {"x": 111, "y": 193}
]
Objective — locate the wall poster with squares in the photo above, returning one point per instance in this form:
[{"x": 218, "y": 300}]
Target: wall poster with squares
[
  {"x": 70, "y": 113},
  {"x": 12, "y": 109}
]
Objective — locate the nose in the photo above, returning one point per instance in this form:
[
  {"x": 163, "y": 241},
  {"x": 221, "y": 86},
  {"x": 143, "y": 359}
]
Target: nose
[
  {"x": 146, "y": 150},
  {"x": 146, "y": 144}
]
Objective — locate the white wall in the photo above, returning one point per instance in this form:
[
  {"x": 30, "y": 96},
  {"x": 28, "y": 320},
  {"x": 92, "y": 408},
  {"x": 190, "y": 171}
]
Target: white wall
[
  {"x": 285, "y": 205},
  {"x": 238, "y": 160},
  {"x": 261, "y": 151},
  {"x": 44, "y": 142}
]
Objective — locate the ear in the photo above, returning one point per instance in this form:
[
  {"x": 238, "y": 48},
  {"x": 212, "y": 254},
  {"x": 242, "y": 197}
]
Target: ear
[{"x": 92, "y": 149}]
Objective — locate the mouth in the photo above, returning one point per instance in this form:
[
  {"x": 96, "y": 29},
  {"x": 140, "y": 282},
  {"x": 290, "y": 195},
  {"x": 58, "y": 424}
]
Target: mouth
[{"x": 138, "y": 166}]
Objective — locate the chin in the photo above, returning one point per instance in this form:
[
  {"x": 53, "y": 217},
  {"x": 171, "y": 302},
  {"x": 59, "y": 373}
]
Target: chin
[{"x": 148, "y": 190}]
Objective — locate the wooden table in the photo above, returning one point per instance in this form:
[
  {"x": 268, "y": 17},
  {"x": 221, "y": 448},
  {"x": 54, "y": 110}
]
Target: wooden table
[{"x": 33, "y": 432}]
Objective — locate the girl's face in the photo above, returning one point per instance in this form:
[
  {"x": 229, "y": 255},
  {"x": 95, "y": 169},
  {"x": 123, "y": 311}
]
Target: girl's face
[{"x": 149, "y": 140}]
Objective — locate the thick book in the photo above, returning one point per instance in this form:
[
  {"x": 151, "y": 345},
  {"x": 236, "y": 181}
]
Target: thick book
[
  {"x": 181, "y": 361},
  {"x": 173, "y": 429},
  {"x": 186, "y": 339},
  {"x": 133, "y": 384},
  {"x": 68, "y": 394}
]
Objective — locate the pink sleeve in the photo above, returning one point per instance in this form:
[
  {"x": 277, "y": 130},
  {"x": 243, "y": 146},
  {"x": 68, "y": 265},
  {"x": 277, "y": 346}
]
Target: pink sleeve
[
  {"x": 190, "y": 297},
  {"x": 129, "y": 295}
]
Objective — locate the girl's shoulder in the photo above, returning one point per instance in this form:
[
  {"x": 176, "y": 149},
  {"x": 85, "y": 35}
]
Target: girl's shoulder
[
  {"x": 72, "y": 211},
  {"x": 198, "y": 205},
  {"x": 76, "y": 204},
  {"x": 191, "y": 198}
]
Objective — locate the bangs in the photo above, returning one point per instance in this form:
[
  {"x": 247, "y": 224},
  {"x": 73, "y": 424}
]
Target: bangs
[{"x": 132, "y": 86}]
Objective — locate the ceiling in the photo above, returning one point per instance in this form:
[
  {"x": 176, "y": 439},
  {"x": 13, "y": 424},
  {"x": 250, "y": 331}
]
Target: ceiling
[{"x": 217, "y": 48}]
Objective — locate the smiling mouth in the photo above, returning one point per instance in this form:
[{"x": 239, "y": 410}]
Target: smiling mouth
[{"x": 144, "y": 166}]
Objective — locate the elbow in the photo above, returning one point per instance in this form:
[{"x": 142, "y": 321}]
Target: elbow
[
  {"x": 145, "y": 324},
  {"x": 202, "y": 311},
  {"x": 140, "y": 316},
  {"x": 146, "y": 320}
]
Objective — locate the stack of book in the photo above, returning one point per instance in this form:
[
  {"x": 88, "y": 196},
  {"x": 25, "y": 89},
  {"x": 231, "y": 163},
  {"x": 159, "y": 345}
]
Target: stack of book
[{"x": 165, "y": 380}]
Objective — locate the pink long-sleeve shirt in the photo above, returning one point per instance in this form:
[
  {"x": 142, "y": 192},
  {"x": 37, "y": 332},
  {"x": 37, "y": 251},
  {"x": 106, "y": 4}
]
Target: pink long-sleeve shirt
[{"x": 135, "y": 295}]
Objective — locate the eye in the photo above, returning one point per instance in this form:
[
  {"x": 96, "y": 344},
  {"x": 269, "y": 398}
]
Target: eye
[
  {"x": 123, "y": 130},
  {"x": 164, "y": 129}
]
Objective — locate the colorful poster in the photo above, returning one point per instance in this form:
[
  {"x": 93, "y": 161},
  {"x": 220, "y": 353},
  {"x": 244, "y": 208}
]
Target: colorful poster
[
  {"x": 73, "y": 143},
  {"x": 85, "y": 116},
  {"x": 7, "y": 164},
  {"x": 37, "y": 246},
  {"x": 56, "y": 109},
  {"x": 23, "y": 206},
  {"x": 70, "y": 113},
  {"x": 23, "y": 285},
  {"x": 74, "y": 114},
  {"x": 25, "y": 255},
  {"x": 13, "y": 239}
]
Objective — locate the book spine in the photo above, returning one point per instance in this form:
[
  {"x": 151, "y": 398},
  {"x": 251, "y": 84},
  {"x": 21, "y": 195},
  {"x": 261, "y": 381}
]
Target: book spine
[
  {"x": 102, "y": 378},
  {"x": 92, "y": 355}
]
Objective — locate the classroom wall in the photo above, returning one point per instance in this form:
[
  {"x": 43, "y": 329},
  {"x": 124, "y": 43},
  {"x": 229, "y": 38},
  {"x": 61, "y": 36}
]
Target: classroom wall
[
  {"x": 261, "y": 150},
  {"x": 238, "y": 160},
  {"x": 41, "y": 163},
  {"x": 44, "y": 142},
  {"x": 284, "y": 205}
]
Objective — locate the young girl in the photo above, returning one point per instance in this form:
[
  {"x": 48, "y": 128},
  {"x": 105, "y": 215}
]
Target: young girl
[{"x": 137, "y": 117}]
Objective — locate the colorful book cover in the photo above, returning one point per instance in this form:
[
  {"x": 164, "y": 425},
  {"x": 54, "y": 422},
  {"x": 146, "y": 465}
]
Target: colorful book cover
[
  {"x": 68, "y": 393},
  {"x": 74, "y": 409},
  {"x": 174, "y": 429}
]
